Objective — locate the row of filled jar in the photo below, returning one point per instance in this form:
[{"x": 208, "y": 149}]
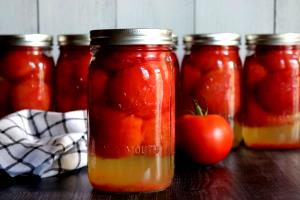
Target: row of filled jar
[{"x": 263, "y": 97}]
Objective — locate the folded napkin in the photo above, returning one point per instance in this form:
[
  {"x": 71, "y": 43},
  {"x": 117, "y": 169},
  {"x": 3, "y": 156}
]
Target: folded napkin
[{"x": 43, "y": 143}]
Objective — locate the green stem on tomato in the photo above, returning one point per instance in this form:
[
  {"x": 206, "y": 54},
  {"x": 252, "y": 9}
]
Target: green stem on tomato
[{"x": 198, "y": 109}]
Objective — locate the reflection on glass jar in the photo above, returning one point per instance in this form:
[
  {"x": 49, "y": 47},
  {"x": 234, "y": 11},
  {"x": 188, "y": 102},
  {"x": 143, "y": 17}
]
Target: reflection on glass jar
[
  {"x": 71, "y": 72},
  {"x": 131, "y": 110},
  {"x": 26, "y": 67},
  {"x": 211, "y": 75},
  {"x": 271, "y": 91}
]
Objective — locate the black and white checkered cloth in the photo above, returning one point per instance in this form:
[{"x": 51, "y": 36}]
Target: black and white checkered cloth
[{"x": 43, "y": 143}]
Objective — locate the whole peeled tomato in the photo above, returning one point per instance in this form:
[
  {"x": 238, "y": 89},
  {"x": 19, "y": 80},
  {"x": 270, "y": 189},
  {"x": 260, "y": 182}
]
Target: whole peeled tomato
[
  {"x": 253, "y": 72},
  {"x": 219, "y": 91},
  {"x": 116, "y": 133},
  {"x": 31, "y": 94},
  {"x": 142, "y": 89},
  {"x": 207, "y": 139},
  {"x": 279, "y": 93}
]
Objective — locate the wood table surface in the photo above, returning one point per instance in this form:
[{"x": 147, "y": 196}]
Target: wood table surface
[{"x": 244, "y": 174}]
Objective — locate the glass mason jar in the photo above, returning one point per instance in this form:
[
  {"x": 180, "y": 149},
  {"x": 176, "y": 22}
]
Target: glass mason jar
[
  {"x": 211, "y": 75},
  {"x": 71, "y": 72},
  {"x": 271, "y": 91},
  {"x": 131, "y": 110},
  {"x": 26, "y": 68},
  {"x": 175, "y": 61}
]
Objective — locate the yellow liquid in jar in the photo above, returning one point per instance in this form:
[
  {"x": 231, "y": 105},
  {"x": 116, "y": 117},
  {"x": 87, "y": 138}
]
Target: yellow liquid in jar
[
  {"x": 272, "y": 137},
  {"x": 131, "y": 174}
]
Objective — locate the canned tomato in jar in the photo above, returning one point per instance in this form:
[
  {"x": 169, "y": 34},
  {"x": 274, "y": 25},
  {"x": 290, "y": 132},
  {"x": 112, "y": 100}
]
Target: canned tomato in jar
[
  {"x": 271, "y": 91},
  {"x": 26, "y": 67},
  {"x": 131, "y": 110},
  {"x": 211, "y": 76},
  {"x": 71, "y": 72}
]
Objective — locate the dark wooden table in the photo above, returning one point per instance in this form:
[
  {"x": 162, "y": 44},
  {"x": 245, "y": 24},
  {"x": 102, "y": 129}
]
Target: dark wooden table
[{"x": 245, "y": 174}]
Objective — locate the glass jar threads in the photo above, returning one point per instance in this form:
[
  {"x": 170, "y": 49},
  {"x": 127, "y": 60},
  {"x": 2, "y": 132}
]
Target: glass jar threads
[
  {"x": 71, "y": 72},
  {"x": 271, "y": 91},
  {"x": 26, "y": 68},
  {"x": 211, "y": 75},
  {"x": 131, "y": 110}
]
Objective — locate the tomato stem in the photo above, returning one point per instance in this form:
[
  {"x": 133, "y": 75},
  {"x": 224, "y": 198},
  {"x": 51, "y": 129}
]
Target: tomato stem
[{"x": 198, "y": 109}]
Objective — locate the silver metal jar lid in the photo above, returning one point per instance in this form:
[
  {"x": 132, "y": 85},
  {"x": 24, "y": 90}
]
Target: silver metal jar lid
[
  {"x": 73, "y": 39},
  {"x": 36, "y": 40},
  {"x": 273, "y": 39},
  {"x": 224, "y": 39},
  {"x": 175, "y": 39},
  {"x": 131, "y": 37}
]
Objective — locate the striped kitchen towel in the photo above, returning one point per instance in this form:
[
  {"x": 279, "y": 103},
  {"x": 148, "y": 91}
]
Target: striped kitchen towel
[{"x": 43, "y": 143}]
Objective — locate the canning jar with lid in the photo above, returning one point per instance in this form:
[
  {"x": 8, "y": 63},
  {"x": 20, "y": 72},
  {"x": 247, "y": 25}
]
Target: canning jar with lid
[
  {"x": 271, "y": 91},
  {"x": 211, "y": 76},
  {"x": 71, "y": 72},
  {"x": 26, "y": 68},
  {"x": 131, "y": 110}
]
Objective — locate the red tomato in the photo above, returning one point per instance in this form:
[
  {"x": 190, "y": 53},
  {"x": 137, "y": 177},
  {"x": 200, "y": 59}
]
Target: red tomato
[
  {"x": 19, "y": 63},
  {"x": 142, "y": 89},
  {"x": 63, "y": 102},
  {"x": 190, "y": 77},
  {"x": 206, "y": 139},
  {"x": 4, "y": 97},
  {"x": 279, "y": 59},
  {"x": 208, "y": 58},
  {"x": 254, "y": 72},
  {"x": 97, "y": 85},
  {"x": 255, "y": 116},
  {"x": 31, "y": 94},
  {"x": 279, "y": 93},
  {"x": 159, "y": 135},
  {"x": 116, "y": 133},
  {"x": 219, "y": 91},
  {"x": 80, "y": 103}
]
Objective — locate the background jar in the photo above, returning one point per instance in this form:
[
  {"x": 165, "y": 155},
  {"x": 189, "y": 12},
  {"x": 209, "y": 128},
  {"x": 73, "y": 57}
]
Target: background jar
[
  {"x": 211, "y": 75},
  {"x": 71, "y": 72},
  {"x": 131, "y": 110},
  {"x": 271, "y": 91},
  {"x": 26, "y": 68}
]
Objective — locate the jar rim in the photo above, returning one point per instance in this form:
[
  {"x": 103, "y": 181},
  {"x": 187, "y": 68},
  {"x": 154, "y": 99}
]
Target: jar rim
[
  {"x": 132, "y": 36},
  {"x": 273, "y": 39},
  {"x": 224, "y": 39},
  {"x": 35, "y": 40},
  {"x": 73, "y": 39}
]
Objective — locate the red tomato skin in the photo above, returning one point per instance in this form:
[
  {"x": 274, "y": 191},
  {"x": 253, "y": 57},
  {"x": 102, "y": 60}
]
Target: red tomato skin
[{"x": 206, "y": 139}]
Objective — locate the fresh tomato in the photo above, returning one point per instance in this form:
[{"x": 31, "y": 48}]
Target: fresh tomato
[
  {"x": 279, "y": 93},
  {"x": 219, "y": 91},
  {"x": 31, "y": 94},
  {"x": 141, "y": 89},
  {"x": 116, "y": 133},
  {"x": 206, "y": 139}
]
